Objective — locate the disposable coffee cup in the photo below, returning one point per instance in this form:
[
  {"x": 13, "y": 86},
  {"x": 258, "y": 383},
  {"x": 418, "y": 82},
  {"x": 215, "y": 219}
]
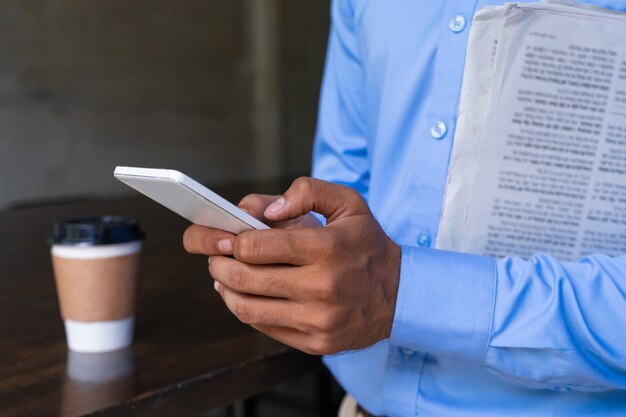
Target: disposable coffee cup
[{"x": 95, "y": 263}]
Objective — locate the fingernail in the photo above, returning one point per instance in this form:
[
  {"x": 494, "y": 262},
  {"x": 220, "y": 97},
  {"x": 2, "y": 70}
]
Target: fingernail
[
  {"x": 225, "y": 245},
  {"x": 216, "y": 286},
  {"x": 209, "y": 260},
  {"x": 276, "y": 206}
]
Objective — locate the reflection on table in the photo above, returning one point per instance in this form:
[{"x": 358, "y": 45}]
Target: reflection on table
[{"x": 95, "y": 381}]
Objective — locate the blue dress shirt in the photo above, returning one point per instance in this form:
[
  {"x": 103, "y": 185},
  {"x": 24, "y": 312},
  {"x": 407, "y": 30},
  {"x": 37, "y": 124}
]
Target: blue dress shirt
[{"x": 472, "y": 335}]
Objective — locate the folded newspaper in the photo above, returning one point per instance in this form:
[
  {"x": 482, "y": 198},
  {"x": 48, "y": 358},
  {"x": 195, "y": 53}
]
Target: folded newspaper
[{"x": 539, "y": 159}]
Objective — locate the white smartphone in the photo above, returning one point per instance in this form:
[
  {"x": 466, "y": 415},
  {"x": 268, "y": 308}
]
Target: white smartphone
[{"x": 188, "y": 198}]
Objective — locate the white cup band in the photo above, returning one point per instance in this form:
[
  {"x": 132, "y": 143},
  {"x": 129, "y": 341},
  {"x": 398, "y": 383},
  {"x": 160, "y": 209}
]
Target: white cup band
[
  {"x": 99, "y": 336},
  {"x": 96, "y": 252}
]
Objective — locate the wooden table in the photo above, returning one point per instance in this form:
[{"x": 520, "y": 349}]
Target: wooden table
[{"x": 190, "y": 354}]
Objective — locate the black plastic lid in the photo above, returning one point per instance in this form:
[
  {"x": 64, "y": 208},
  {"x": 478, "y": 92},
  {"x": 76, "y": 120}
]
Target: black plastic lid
[{"x": 105, "y": 230}]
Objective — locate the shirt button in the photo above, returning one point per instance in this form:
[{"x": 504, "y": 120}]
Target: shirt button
[
  {"x": 423, "y": 240},
  {"x": 457, "y": 24},
  {"x": 407, "y": 353},
  {"x": 439, "y": 130}
]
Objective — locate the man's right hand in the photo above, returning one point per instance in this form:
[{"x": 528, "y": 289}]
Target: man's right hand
[{"x": 199, "y": 240}]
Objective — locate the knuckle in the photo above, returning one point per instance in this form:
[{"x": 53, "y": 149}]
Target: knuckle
[
  {"x": 209, "y": 242},
  {"x": 328, "y": 291},
  {"x": 357, "y": 200},
  {"x": 246, "y": 246},
  {"x": 288, "y": 239},
  {"x": 333, "y": 241},
  {"x": 268, "y": 283},
  {"x": 311, "y": 349},
  {"x": 303, "y": 185},
  {"x": 242, "y": 312},
  {"x": 332, "y": 294},
  {"x": 237, "y": 278},
  {"x": 354, "y": 199},
  {"x": 262, "y": 317},
  {"x": 329, "y": 244},
  {"x": 322, "y": 345},
  {"x": 327, "y": 323},
  {"x": 354, "y": 194}
]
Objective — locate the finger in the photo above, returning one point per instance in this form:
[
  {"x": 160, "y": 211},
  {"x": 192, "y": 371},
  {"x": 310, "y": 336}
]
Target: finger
[
  {"x": 200, "y": 240},
  {"x": 333, "y": 201},
  {"x": 266, "y": 280},
  {"x": 255, "y": 204},
  {"x": 292, "y": 246},
  {"x": 260, "y": 311}
]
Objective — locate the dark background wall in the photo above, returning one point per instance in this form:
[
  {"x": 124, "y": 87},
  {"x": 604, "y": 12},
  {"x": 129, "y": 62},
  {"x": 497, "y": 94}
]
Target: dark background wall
[
  {"x": 305, "y": 26},
  {"x": 223, "y": 90}
]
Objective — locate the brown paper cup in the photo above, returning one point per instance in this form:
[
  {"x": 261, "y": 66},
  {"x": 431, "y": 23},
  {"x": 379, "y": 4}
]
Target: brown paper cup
[
  {"x": 97, "y": 287},
  {"x": 95, "y": 262}
]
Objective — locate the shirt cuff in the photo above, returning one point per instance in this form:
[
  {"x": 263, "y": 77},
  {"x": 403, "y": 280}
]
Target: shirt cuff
[{"x": 445, "y": 303}]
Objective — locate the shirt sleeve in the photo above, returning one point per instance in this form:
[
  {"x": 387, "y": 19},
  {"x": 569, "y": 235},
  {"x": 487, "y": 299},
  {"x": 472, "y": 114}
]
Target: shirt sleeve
[
  {"x": 340, "y": 150},
  {"x": 540, "y": 323}
]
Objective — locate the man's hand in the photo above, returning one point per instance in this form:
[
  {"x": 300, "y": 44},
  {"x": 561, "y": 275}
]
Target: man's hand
[
  {"x": 320, "y": 290},
  {"x": 200, "y": 240}
]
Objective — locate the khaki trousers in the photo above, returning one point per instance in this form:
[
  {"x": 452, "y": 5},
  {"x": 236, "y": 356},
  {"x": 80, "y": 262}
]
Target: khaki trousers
[{"x": 349, "y": 408}]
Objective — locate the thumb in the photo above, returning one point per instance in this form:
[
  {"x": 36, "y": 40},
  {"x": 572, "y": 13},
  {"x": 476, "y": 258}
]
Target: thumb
[
  {"x": 255, "y": 204},
  {"x": 306, "y": 194}
]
